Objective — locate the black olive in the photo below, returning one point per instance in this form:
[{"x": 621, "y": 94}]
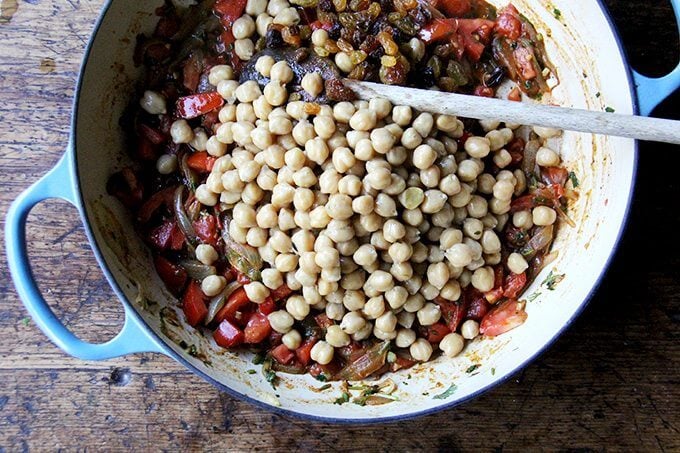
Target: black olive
[
  {"x": 495, "y": 78},
  {"x": 274, "y": 39}
]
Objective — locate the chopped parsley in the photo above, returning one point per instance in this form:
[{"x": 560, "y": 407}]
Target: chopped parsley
[
  {"x": 472, "y": 368},
  {"x": 557, "y": 13},
  {"x": 344, "y": 398},
  {"x": 534, "y": 296},
  {"x": 598, "y": 94},
  {"x": 271, "y": 377},
  {"x": 251, "y": 371},
  {"x": 552, "y": 280},
  {"x": 258, "y": 359},
  {"x": 493, "y": 371},
  {"x": 609, "y": 109},
  {"x": 324, "y": 387},
  {"x": 321, "y": 377},
  {"x": 448, "y": 392},
  {"x": 26, "y": 321},
  {"x": 574, "y": 180}
]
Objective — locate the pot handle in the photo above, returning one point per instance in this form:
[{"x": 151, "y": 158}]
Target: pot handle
[
  {"x": 652, "y": 91},
  {"x": 58, "y": 183}
]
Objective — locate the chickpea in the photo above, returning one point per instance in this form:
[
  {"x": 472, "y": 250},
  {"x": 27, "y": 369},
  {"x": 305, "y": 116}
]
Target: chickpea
[
  {"x": 382, "y": 140},
  {"x": 452, "y": 344},
  {"x": 405, "y": 338},
  {"x": 363, "y": 120},
  {"x": 281, "y": 71},
  {"x": 387, "y": 322},
  {"x": 421, "y": 350},
  {"x": 292, "y": 339},
  {"x": 483, "y": 279},
  {"x": 428, "y": 314},
  {"x": 181, "y": 132},
  {"x": 322, "y": 352},
  {"x": 438, "y": 274},
  {"x": 297, "y": 307},
  {"x": 423, "y": 124},
  {"x": 212, "y": 285},
  {"x": 469, "y": 329},
  {"x": 516, "y": 263},
  {"x": 153, "y": 103},
  {"x": 374, "y": 307},
  {"x": 352, "y": 322},
  {"x": 543, "y": 216}
]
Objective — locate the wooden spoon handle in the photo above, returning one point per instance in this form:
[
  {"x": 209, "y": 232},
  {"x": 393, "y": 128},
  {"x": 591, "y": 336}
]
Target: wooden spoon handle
[{"x": 631, "y": 126}]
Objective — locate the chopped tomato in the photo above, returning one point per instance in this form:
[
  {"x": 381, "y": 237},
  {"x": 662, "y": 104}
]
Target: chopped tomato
[
  {"x": 503, "y": 317},
  {"x": 554, "y": 175},
  {"x": 514, "y": 284},
  {"x": 155, "y": 201},
  {"x": 474, "y": 35},
  {"x": 452, "y": 312},
  {"x": 524, "y": 58},
  {"x": 267, "y": 307},
  {"x": 227, "y": 38},
  {"x": 198, "y": 104},
  {"x": 280, "y": 292},
  {"x": 237, "y": 300},
  {"x": 161, "y": 236},
  {"x": 191, "y": 72},
  {"x": 453, "y": 8},
  {"x": 323, "y": 320},
  {"x": 228, "y": 335},
  {"x": 508, "y": 23},
  {"x": 282, "y": 354},
  {"x": 437, "y": 30},
  {"x": 193, "y": 304},
  {"x": 304, "y": 352},
  {"x": 229, "y": 10},
  {"x": 402, "y": 363},
  {"x": 206, "y": 229},
  {"x": 435, "y": 333},
  {"x": 515, "y": 94},
  {"x": 483, "y": 91},
  {"x": 257, "y": 329},
  {"x": 496, "y": 293},
  {"x": 201, "y": 161},
  {"x": 173, "y": 275}
]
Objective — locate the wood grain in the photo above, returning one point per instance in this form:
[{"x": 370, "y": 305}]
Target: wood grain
[{"x": 610, "y": 383}]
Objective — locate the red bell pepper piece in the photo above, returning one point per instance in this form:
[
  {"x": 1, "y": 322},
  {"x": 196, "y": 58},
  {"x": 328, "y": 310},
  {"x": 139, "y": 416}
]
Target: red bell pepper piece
[
  {"x": 198, "y": 104},
  {"x": 515, "y": 94},
  {"x": 503, "y": 317},
  {"x": 304, "y": 352},
  {"x": 454, "y": 8},
  {"x": 228, "y": 335},
  {"x": 193, "y": 304},
  {"x": 323, "y": 320},
  {"x": 237, "y": 300},
  {"x": 282, "y": 354},
  {"x": 496, "y": 293},
  {"x": 554, "y": 175},
  {"x": 257, "y": 329},
  {"x": 174, "y": 276},
  {"x": 514, "y": 284},
  {"x": 153, "y": 135},
  {"x": 201, "y": 161},
  {"x": 146, "y": 150}
]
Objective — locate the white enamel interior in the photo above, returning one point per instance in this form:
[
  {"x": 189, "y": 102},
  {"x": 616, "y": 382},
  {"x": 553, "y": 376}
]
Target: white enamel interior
[{"x": 583, "y": 48}]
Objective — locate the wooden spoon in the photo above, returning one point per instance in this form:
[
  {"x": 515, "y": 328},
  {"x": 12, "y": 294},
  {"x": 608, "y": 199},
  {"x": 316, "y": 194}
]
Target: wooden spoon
[{"x": 631, "y": 126}]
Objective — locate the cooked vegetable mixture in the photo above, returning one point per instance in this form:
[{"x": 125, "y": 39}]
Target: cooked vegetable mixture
[{"x": 340, "y": 237}]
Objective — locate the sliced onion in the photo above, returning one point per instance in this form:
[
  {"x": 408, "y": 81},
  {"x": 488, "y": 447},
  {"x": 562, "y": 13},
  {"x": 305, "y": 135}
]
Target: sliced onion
[
  {"x": 217, "y": 302},
  {"x": 197, "y": 270},
  {"x": 182, "y": 218},
  {"x": 244, "y": 258},
  {"x": 366, "y": 364},
  {"x": 541, "y": 239}
]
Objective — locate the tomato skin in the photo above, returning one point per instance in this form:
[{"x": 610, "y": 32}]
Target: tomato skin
[
  {"x": 282, "y": 354},
  {"x": 454, "y": 8},
  {"x": 195, "y": 105},
  {"x": 237, "y": 300},
  {"x": 452, "y": 312},
  {"x": 267, "y": 307},
  {"x": 304, "y": 352},
  {"x": 508, "y": 23},
  {"x": 323, "y": 320},
  {"x": 173, "y": 275},
  {"x": 206, "y": 229},
  {"x": 193, "y": 304},
  {"x": 154, "y": 136},
  {"x": 515, "y": 94},
  {"x": 229, "y": 10},
  {"x": 280, "y": 292},
  {"x": 257, "y": 329},
  {"x": 201, "y": 161},
  {"x": 435, "y": 333},
  {"x": 554, "y": 175},
  {"x": 228, "y": 335},
  {"x": 514, "y": 284},
  {"x": 503, "y": 318}
]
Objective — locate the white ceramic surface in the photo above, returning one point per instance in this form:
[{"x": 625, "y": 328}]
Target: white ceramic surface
[{"x": 585, "y": 51}]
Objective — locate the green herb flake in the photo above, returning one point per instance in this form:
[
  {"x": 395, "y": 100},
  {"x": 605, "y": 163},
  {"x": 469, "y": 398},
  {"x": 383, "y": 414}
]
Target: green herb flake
[
  {"x": 344, "y": 398},
  {"x": 321, "y": 377},
  {"x": 532, "y": 297},
  {"x": 192, "y": 350},
  {"x": 251, "y": 371},
  {"x": 574, "y": 179},
  {"x": 493, "y": 371},
  {"x": 272, "y": 378},
  {"x": 449, "y": 391},
  {"x": 552, "y": 280},
  {"x": 26, "y": 321},
  {"x": 598, "y": 94},
  {"x": 557, "y": 13},
  {"x": 324, "y": 387},
  {"x": 258, "y": 359},
  {"x": 472, "y": 368},
  {"x": 609, "y": 109}
]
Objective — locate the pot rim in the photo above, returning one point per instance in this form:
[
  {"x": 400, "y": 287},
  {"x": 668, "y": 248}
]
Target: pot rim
[{"x": 169, "y": 351}]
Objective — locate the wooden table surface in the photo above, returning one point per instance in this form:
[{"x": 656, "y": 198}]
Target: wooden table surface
[{"x": 610, "y": 383}]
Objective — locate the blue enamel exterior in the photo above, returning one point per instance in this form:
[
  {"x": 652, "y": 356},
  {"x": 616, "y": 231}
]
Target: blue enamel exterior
[
  {"x": 61, "y": 182},
  {"x": 651, "y": 92}
]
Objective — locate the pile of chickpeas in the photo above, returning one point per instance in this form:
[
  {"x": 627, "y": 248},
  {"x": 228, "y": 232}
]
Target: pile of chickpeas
[{"x": 368, "y": 211}]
